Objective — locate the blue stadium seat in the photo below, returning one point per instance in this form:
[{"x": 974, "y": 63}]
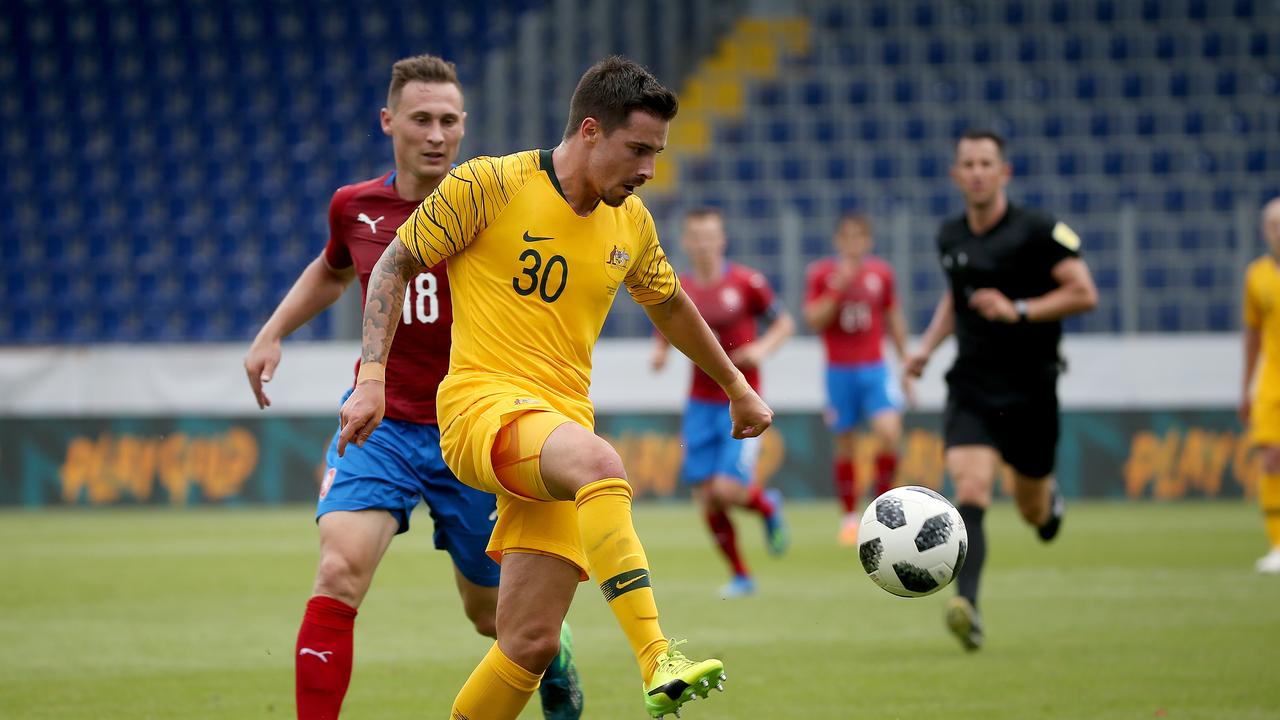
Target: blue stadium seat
[
  {"x": 825, "y": 131},
  {"x": 1074, "y": 48},
  {"x": 1256, "y": 160},
  {"x": 923, "y": 16},
  {"x": 837, "y": 168},
  {"x": 870, "y": 129},
  {"x": 894, "y": 53},
  {"x": 1118, "y": 49},
  {"x": 1086, "y": 86},
  {"x": 940, "y": 204},
  {"x": 915, "y": 128},
  {"x": 861, "y": 92},
  {"x": 815, "y": 93},
  {"x": 747, "y": 170},
  {"x": 1259, "y": 45},
  {"x": 769, "y": 95},
  {"x": 1015, "y": 13},
  {"x": 731, "y": 133},
  {"x": 938, "y": 52},
  {"x": 994, "y": 89},
  {"x": 905, "y": 91},
  {"x": 884, "y": 167},
  {"x": 1227, "y": 83},
  {"x": 794, "y": 169}
]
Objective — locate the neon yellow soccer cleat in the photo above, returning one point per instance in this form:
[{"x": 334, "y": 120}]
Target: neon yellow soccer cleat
[{"x": 679, "y": 680}]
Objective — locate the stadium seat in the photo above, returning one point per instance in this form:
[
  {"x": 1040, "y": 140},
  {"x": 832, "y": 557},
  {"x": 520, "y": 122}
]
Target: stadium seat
[{"x": 1168, "y": 105}]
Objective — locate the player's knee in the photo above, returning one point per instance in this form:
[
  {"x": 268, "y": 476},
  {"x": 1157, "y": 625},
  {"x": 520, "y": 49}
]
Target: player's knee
[
  {"x": 602, "y": 462},
  {"x": 482, "y": 618},
  {"x": 890, "y": 437},
  {"x": 534, "y": 646},
  {"x": 970, "y": 490},
  {"x": 340, "y": 578},
  {"x": 725, "y": 493}
]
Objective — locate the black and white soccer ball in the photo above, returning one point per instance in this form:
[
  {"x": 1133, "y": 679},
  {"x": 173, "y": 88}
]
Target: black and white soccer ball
[{"x": 912, "y": 541}]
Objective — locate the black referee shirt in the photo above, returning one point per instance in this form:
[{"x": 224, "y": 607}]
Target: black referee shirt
[{"x": 1016, "y": 257}]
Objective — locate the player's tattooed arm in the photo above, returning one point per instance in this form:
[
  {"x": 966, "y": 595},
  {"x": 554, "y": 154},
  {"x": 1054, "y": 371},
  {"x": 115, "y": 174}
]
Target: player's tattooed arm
[{"x": 384, "y": 302}]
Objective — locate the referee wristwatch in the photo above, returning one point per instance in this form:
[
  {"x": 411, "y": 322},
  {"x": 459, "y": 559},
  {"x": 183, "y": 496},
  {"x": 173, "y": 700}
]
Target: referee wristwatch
[{"x": 1021, "y": 306}]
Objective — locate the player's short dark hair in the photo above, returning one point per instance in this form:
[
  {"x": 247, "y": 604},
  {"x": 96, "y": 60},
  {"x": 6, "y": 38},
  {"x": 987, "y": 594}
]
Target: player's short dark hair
[
  {"x": 614, "y": 88},
  {"x": 702, "y": 211},
  {"x": 422, "y": 68},
  {"x": 983, "y": 134},
  {"x": 860, "y": 219}
]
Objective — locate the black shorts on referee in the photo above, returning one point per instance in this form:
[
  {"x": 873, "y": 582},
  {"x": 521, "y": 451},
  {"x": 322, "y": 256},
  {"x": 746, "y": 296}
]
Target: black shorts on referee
[{"x": 1022, "y": 427}]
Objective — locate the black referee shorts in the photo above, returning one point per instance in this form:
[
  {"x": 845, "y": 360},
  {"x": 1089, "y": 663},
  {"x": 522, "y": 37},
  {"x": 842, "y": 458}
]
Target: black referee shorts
[{"x": 1024, "y": 430}]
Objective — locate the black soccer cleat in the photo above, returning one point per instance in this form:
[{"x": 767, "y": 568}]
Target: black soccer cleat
[{"x": 1057, "y": 509}]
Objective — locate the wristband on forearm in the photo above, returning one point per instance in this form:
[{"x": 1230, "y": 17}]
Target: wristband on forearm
[
  {"x": 372, "y": 371},
  {"x": 737, "y": 389}
]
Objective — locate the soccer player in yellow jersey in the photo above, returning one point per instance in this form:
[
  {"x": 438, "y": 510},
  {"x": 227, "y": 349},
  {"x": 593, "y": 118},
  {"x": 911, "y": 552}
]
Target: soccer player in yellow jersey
[
  {"x": 1262, "y": 410},
  {"x": 538, "y": 244}
]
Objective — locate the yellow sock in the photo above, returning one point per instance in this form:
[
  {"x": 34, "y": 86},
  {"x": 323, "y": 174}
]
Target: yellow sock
[
  {"x": 1269, "y": 498},
  {"x": 619, "y": 564},
  {"x": 498, "y": 689}
]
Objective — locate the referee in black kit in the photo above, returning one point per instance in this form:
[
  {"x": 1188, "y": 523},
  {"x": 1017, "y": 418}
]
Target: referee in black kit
[{"x": 1014, "y": 274}]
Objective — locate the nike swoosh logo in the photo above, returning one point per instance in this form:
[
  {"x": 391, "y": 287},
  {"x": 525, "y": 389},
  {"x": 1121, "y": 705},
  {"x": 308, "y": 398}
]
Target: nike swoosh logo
[
  {"x": 535, "y": 238},
  {"x": 623, "y": 585}
]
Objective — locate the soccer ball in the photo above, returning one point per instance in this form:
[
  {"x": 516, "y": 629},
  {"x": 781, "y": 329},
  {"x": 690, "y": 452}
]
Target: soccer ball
[{"x": 912, "y": 541}]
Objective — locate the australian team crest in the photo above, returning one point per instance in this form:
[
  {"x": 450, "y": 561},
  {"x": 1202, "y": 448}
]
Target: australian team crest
[{"x": 619, "y": 258}]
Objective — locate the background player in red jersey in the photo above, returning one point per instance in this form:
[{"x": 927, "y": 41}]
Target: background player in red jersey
[
  {"x": 850, "y": 300},
  {"x": 368, "y": 494},
  {"x": 731, "y": 298}
]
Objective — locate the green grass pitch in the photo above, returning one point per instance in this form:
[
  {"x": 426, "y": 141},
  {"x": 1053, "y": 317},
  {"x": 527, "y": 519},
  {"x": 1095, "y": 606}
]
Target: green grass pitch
[{"x": 1138, "y": 611}]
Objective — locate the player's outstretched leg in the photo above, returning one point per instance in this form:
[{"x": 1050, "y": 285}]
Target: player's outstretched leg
[
  {"x": 561, "y": 692},
  {"x": 618, "y": 559}
]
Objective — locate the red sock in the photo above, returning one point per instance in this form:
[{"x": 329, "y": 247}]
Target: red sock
[
  {"x": 886, "y": 472},
  {"x": 758, "y": 502},
  {"x": 722, "y": 530},
  {"x": 845, "y": 485},
  {"x": 322, "y": 665}
]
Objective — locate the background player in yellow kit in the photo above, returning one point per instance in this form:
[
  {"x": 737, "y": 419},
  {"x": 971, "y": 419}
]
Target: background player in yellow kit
[
  {"x": 1262, "y": 347},
  {"x": 538, "y": 244}
]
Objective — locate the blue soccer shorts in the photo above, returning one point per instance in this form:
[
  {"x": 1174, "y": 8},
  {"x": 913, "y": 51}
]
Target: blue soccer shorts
[
  {"x": 399, "y": 465},
  {"x": 710, "y": 448},
  {"x": 857, "y": 393}
]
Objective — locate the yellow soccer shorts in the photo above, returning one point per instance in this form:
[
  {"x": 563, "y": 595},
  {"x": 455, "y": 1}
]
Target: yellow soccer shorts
[
  {"x": 495, "y": 445},
  {"x": 1264, "y": 422}
]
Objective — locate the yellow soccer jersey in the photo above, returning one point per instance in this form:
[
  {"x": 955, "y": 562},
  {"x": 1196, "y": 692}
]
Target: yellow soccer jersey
[
  {"x": 532, "y": 281},
  {"x": 1262, "y": 312}
]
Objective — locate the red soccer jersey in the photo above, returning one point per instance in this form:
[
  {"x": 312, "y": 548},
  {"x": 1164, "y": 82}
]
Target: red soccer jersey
[
  {"x": 363, "y": 219},
  {"x": 856, "y": 335},
  {"x": 730, "y": 306}
]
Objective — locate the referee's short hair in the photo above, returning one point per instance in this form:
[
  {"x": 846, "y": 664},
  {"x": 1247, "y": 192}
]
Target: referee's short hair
[{"x": 983, "y": 134}]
